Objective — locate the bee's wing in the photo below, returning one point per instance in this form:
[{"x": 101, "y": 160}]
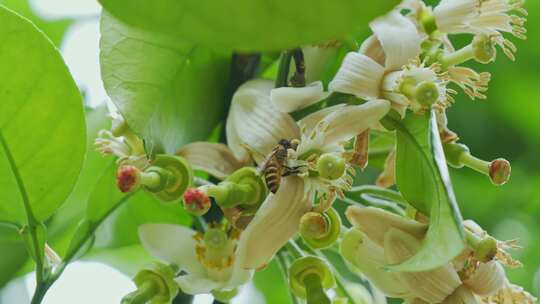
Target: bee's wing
[{"x": 262, "y": 165}]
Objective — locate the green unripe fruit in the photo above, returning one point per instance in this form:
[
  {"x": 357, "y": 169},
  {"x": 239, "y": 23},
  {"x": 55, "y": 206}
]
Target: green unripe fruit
[{"x": 331, "y": 166}]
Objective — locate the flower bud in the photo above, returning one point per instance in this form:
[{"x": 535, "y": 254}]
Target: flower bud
[
  {"x": 487, "y": 279},
  {"x": 331, "y": 166},
  {"x": 176, "y": 176},
  {"x": 483, "y": 49},
  {"x": 499, "y": 171},
  {"x": 320, "y": 230},
  {"x": 309, "y": 277},
  {"x": 155, "y": 284},
  {"x": 196, "y": 201}
]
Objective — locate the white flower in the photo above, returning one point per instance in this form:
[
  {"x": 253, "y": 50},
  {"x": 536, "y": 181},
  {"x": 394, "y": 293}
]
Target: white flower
[
  {"x": 256, "y": 125},
  {"x": 387, "y": 68},
  {"x": 487, "y": 17},
  {"x": 210, "y": 261}
]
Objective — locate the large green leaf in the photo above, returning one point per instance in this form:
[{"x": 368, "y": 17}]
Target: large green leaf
[
  {"x": 54, "y": 29},
  {"x": 169, "y": 91},
  {"x": 41, "y": 123},
  {"x": 13, "y": 259},
  {"x": 422, "y": 178},
  {"x": 272, "y": 284},
  {"x": 63, "y": 223},
  {"x": 250, "y": 24}
]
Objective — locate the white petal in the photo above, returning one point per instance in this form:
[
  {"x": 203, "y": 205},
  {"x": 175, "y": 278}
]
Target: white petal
[
  {"x": 289, "y": 99},
  {"x": 431, "y": 286},
  {"x": 358, "y": 75},
  {"x": 368, "y": 258},
  {"x": 462, "y": 295},
  {"x": 274, "y": 224},
  {"x": 375, "y": 223},
  {"x": 254, "y": 121},
  {"x": 399, "y": 39},
  {"x": 487, "y": 279},
  {"x": 452, "y": 16},
  {"x": 194, "y": 285},
  {"x": 372, "y": 47},
  {"x": 213, "y": 158},
  {"x": 353, "y": 120},
  {"x": 173, "y": 244},
  {"x": 308, "y": 123}
]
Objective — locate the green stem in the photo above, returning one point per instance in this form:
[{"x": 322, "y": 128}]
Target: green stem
[
  {"x": 475, "y": 163},
  {"x": 144, "y": 293},
  {"x": 458, "y": 57},
  {"x": 283, "y": 266},
  {"x": 314, "y": 290},
  {"x": 151, "y": 180},
  {"x": 294, "y": 250},
  {"x": 282, "y": 79},
  {"x": 32, "y": 221}
]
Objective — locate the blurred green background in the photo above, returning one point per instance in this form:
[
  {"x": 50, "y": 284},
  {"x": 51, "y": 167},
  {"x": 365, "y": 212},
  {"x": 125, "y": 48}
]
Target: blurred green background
[{"x": 506, "y": 125}]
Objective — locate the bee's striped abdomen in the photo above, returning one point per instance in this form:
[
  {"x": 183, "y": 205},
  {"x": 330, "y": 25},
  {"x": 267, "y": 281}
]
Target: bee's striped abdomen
[{"x": 272, "y": 176}]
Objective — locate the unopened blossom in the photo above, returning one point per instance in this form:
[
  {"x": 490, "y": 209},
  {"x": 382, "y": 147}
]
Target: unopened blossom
[
  {"x": 209, "y": 261},
  {"x": 256, "y": 125},
  {"x": 386, "y": 67}
]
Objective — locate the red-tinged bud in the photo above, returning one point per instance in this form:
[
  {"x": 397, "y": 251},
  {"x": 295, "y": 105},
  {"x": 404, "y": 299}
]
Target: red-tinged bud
[
  {"x": 196, "y": 201},
  {"x": 128, "y": 178},
  {"x": 499, "y": 171}
]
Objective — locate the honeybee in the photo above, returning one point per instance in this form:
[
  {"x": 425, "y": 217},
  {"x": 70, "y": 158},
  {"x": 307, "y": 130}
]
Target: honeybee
[{"x": 274, "y": 167}]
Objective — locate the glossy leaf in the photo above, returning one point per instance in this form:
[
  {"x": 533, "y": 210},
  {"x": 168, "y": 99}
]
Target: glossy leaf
[
  {"x": 13, "y": 259},
  {"x": 62, "y": 225},
  {"x": 271, "y": 283},
  {"x": 169, "y": 91},
  {"x": 250, "y": 24},
  {"x": 54, "y": 29},
  {"x": 423, "y": 179},
  {"x": 41, "y": 121}
]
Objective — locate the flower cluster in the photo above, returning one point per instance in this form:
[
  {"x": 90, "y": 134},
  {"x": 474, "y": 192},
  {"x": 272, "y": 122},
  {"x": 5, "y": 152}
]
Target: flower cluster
[{"x": 293, "y": 151}]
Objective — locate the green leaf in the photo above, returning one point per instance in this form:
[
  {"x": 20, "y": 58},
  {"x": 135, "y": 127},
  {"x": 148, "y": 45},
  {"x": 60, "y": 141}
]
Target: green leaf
[
  {"x": 422, "y": 178},
  {"x": 41, "y": 122},
  {"x": 62, "y": 225},
  {"x": 169, "y": 91},
  {"x": 54, "y": 29},
  {"x": 13, "y": 259},
  {"x": 250, "y": 24},
  {"x": 270, "y": 282}
]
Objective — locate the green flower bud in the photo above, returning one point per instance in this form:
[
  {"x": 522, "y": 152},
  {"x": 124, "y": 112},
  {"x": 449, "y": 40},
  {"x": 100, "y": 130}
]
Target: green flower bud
[
  {"x": 331, "y": 166},
  {"x": 483, "y": 49},
  {"x": 320, "y": 230},
  {"x": 155, "y": 284},
  {"x": 309, "y": 277}
]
